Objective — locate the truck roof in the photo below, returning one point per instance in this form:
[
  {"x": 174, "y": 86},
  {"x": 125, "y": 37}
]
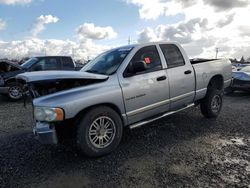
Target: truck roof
[
  {"x": 51, "y": 56},
  {"x": 149, "y": 43}
]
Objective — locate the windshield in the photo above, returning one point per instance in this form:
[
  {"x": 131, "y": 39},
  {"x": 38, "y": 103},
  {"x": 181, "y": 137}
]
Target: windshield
[
  {"x": 245, "y": 69},
  {"x": 29, "y": 63},
  {"x": 108, "y": 62}
]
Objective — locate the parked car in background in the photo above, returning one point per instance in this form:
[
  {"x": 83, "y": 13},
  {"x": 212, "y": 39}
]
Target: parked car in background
[
  {"x": 239, "y": 65},
  {"x": 234, "y": 68},
  {"x": 128, "y": 86},
  {"x": 241, "y": 79},
  {"x": 8, "y": 71}
]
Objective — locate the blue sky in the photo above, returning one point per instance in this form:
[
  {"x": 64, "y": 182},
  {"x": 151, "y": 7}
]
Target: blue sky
[
  {"x": 88, "y": 27},
  {"x": 124, "y": 18}
]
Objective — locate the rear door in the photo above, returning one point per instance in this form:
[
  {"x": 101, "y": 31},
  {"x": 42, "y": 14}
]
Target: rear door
[
  {"x": 146, "y": 93},
  {"x": 181, "y": 76}
]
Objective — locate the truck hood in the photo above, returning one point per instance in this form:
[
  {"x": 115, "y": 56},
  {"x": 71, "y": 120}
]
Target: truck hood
[
  {"x": 43, "y": 83},
  {"x": 39, "y": 76}
]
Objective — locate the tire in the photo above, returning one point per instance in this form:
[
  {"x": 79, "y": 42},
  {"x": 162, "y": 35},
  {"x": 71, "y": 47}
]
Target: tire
[
  {"x": 211, "y": 105},
  {"x": 94, "y": 141},
  {"x": 15, "y": 91}
]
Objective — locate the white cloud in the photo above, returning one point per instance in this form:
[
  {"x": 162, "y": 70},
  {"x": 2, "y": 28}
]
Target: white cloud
[
  {"x": 40, "y": 23},
  {"x": 36, "y": 47},
  {"x": 147, "y": 35},
  {"x": 206, "y": 26},
  {"x": 225, "y": 21},
  {"x": 200, "y": 38},
  {"x": 13, "y": 2},
  {"x": 90, "y": 31},
  {"x": 84, "y": 48},
  {"x": 226, "y": 4},
  {"x": 2, "y": 24},
  {"x": 150, "y": 9}
]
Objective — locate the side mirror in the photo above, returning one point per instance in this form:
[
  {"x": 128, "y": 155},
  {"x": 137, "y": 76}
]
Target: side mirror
[
  {"x": 139, "y": 66},
  {"x": 135, "y": 67}
]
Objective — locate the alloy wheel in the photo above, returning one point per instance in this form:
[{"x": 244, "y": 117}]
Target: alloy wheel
[{"x": 102, "y": 132}]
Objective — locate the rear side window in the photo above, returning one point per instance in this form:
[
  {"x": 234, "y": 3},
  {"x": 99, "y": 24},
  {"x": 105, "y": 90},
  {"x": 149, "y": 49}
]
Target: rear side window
[
  {"x": 150, "y": 56},
  {"x": 67, "y": 63},
  {"x": 46, "y": 64},
  {"x": 51, "y": 64},
  {"x": 172, "y": 55}
]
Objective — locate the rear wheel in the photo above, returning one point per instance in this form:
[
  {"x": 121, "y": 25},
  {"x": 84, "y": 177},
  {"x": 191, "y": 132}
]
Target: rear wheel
[
  {"x": 99, "y": 131},
  {"x": 15, "y": 91},
  {"x": 212, "y": 103}
]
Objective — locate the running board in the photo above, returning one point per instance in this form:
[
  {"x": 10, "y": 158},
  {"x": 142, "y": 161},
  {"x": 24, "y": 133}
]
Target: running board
[{"x": 136, "y": 125}]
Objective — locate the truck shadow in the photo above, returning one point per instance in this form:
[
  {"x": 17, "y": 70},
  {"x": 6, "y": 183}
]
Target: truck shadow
[{"x": 239, "y": 94}]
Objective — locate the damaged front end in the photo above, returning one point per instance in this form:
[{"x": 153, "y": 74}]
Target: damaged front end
[
  {"x": 38, "y": 84},
  {"x": 50, "y": 120},
  {"x": 45, "y": 87}
]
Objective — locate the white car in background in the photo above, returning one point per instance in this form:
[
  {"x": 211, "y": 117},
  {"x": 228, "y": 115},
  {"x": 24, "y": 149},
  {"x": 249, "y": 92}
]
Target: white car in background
[{"x": 241, "y": 79}]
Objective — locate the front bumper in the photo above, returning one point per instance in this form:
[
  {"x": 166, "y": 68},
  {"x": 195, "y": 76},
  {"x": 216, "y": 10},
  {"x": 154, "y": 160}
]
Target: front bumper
[
  {"x": 240, "y": 84},
  {"x": 4, "y": 90},
  {"x": 45, "y": 133}
]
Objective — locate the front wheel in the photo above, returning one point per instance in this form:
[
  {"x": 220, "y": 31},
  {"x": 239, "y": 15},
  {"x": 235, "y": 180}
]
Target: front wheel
[
  {"x": 15, "y": 91},
  {"x": 212, "y": 103},
  {"x": 99, "y": 131}
]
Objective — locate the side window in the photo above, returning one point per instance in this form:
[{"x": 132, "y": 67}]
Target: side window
[
  {"x": 51, "y": 64},
  {"x": 38, "y": 66},
  {"x": 46, "y": 64},
  {"x": 150, "y": 56},
  {"x": 67, "y": 63},
  {"x": 172, "y": 55}
]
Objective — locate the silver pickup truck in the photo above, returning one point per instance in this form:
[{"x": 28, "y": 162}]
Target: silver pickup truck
[{"x": 128, "y": 86}]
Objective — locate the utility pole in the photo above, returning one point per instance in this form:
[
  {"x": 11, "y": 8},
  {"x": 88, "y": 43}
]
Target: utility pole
[
  {"x": 216, "y": 51},
  {"x": 129, "y": 40},
  {"x": 73, "y": 52}
]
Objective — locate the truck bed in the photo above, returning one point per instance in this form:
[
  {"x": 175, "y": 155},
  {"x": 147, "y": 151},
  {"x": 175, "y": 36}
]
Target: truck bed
[{"x": 205, "y": 69}]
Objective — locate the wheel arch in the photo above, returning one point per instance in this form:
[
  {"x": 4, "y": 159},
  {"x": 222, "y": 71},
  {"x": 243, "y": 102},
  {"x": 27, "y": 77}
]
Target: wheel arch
[
  {"x": 110, "y": 105},
  {"x": 10, "y": 80},
  {"x": 216, "y": 82}
]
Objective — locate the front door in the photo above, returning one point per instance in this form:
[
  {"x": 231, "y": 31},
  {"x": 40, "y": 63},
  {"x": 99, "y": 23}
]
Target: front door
[{"x": 146, "y": 93}]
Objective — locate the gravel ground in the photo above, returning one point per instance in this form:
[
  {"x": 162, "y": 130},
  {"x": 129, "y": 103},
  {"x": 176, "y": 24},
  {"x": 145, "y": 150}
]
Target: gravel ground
[{"x": 184, "y": 150}]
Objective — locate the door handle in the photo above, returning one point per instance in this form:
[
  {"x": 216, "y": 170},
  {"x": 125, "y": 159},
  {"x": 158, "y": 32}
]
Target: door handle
[
  {"x": 161, "y": 78},
  {"x": 188, "y": 72}
]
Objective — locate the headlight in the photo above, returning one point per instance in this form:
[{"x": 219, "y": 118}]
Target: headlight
[{"x": 48, "y": 114}]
